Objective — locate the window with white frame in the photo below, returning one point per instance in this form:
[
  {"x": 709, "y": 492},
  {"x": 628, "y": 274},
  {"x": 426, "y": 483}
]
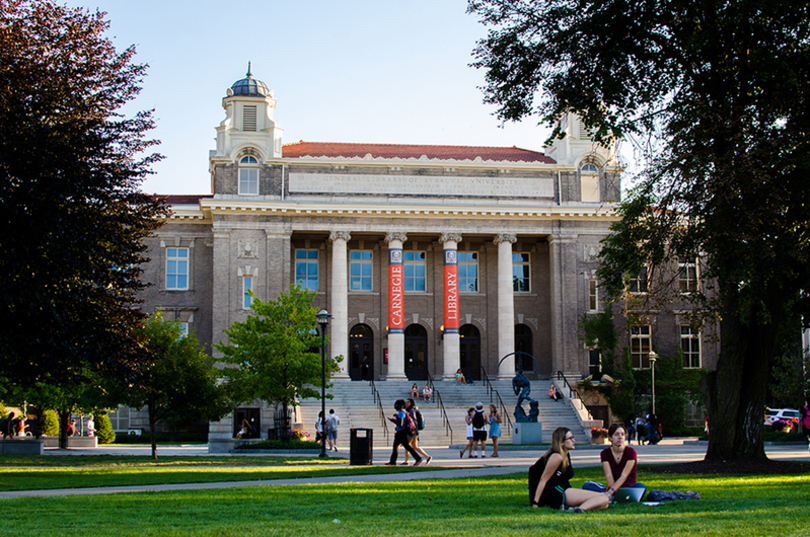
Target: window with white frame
[
  {"x": 687, "y": 274},
  {"x": 247, "y": 285},
  {"x": 177, "y": 268},
  {"x": 119, "y": 418},
  {"x": 690, "y": 346},
  {"x": 640, "y": 345},
  {"x": 593, "y": 294},
  {"x": 589, "y": 183},
  {"x": 360, "y": 268},
  {"x": 520, "y": 273},
  {"x": 413, "y": 270},
  {"x": 468, "y": 272},
  {"x": 638, "y": 282},
  {"x": 248, "y": 176},
  {"x": 306, "y": 269},
  {"x": 183, "y": 329}
]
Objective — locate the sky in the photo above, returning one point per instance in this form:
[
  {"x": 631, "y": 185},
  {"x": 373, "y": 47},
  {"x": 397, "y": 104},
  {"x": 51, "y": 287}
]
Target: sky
[{"x": 352, "y": 71}]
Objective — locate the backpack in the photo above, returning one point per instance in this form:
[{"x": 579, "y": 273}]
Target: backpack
[
  {"x": 535, "y": 474},
  {"x": 332, "y": 421},
  {"x": 420, "y": 421},
  {"x": 478, "y": 419},
  {"x": 408, "y": 422}
]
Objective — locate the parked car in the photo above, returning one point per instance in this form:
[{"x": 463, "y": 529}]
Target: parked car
[{"x": 784, "y": 414}]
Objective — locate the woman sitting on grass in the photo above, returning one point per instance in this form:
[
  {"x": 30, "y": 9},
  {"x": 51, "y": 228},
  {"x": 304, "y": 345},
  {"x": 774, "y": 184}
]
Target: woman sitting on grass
[
  {"x": 549, "y": 479},
  {"x": 619, "y": 462}
]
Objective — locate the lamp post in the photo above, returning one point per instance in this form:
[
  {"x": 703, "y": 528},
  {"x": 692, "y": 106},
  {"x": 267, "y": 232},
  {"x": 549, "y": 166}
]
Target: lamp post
[
  {"x": 323, "y": 317},
  {"x": 653, "y": 358}
]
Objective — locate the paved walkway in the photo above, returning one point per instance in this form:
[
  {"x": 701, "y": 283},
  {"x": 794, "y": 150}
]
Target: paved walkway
[{"x": 510, "y": 461}]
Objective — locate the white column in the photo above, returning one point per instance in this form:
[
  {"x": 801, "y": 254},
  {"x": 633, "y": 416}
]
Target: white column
[
  {"x": 339, "y": 327},
  {"x": 450, "y": 341},
  {"x": 506, "y": 306},
  {"x": 396, "y": 308}
]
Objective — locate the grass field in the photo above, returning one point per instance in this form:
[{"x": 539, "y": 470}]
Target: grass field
[{"x": 485, "y": 506}]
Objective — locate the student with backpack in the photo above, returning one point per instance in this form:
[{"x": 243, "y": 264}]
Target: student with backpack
[
  {"x": 416, "y": 416},
  {"x": 332, "y": 423},
  {"x": 479, "y": 426},
  {"x": 403, "y": 424},
  {"x": 549, "y": 479}
]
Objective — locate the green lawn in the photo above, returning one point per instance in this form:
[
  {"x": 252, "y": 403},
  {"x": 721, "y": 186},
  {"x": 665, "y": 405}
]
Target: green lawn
[
  {"x": 57, "y": 472},
  {"x": 486, "y": 506}
]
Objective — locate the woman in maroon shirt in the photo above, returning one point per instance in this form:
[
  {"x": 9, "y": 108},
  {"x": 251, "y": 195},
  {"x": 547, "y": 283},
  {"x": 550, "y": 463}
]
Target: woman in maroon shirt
[{"x": 619, "y": 463}]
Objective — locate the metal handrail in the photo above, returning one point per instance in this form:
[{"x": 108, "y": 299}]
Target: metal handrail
[
  {"x": 573, "y": 394},
  {"x": 492, "y": 391},
  {"x": 437, "y": 397},
  {"x": 375, "y": 394}
]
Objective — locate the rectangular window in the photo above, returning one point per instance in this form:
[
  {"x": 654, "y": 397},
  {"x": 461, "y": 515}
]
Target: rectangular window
[
  {"x": 640, "y": 346},
  {"x": 690, "y": 345},
  {"x": 638, "y": 282},
  {"x": 360, "y": 270},
  {"x": 247, "y": 285},
  {"x": 595, "y": 364},
  {"x": 468, "y": 272},
  {"x": 590, "y": 187},
  {"x": 687, "y": 274},
  {"x": 413, "y": 271},
  {"x": 119, "y": 419},
  {"x": 593, "y": 296},
  {"x": 177, "y": 268},
  {"x": 306, "y": 269},
  {"x": 248, "y": 181},
  {"x": 520, "y": 273},
  {"x": 183, "y": 329}
]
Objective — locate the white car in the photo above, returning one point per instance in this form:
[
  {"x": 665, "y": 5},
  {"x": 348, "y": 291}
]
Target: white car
[{"x": 784, "y": 414}]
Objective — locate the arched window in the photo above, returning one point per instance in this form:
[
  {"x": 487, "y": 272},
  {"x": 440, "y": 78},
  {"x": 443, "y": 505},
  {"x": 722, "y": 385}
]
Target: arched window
[
  {"x": 248, "y": 176},
  {"x": 589, "y": 182}
]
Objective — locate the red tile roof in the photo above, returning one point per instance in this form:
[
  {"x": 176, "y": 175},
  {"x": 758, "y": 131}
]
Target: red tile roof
[{"x": 396, "y": 151}]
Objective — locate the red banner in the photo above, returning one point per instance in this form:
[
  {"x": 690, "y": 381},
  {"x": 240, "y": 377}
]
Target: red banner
[
  {"x": 396, "y": 302},
  {"x": 450, "y": 292}
]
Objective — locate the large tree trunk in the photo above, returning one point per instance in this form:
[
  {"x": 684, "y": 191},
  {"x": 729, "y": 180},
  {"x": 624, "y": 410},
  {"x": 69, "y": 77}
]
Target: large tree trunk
[
  {"x": 152, "y": 423},
  {"x": 64, "y": 418},
  {"x": 735, "y": 392}
]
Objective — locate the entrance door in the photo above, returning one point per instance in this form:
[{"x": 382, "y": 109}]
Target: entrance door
[
  {"x": 416, "y": 354},
  {"x": 470, "y": 352},
  {"x": 361, "y": 352},
  {"x": 253, "y": 417}
]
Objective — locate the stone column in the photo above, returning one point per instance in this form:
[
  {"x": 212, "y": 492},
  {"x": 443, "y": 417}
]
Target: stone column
[
  {"x": 566, "y": 352},
  {"x": 221, "y": 307},
  {"x": 506, "y": 305},
  {"x": 339, "y": 325},
  {"x": 450, "y": 340},
  {"x": 396, "y": 308}
]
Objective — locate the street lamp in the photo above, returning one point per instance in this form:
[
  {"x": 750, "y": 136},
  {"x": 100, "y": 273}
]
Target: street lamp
[
  {"x": 323, "y": 317},
  {"x": 653, "y": 358}
]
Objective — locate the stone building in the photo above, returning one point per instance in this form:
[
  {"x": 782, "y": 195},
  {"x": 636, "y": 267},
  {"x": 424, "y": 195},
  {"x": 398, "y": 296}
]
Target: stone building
[{"x": 430, "y": 258}]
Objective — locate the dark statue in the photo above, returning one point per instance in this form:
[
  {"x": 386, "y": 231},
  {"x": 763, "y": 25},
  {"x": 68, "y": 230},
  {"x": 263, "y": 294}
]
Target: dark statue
[{"x": 522, "y": 388}]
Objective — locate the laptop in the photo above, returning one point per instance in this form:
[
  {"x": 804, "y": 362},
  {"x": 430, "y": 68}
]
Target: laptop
[{"x": 629, "y": 494}]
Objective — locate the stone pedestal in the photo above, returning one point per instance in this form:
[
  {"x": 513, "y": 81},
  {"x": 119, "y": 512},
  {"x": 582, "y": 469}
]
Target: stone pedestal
[
  {"x": 222, "y": 445},
  {"x": 21, "y": 447},
  {"x": 75, "y": 442},
  {"x": 527, "y": 433}
]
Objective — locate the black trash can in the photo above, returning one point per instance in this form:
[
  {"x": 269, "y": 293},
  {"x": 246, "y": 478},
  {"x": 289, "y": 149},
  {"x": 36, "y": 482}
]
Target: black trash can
[{"x": 361, "y": 444}]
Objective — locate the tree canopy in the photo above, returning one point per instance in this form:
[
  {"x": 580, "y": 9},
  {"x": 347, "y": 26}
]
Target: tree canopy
[
  {"x": 276, "y": 351},
  {"x": 179, "y": 383},
  {"x": 715, "y": 93},
  {"x": 72, "y": 217}
]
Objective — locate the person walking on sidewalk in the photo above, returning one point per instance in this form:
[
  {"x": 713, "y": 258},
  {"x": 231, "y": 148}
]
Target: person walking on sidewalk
[
  {"x": 403, "y": 425},
  {"x": 332, "y": 423},
  {"x": 469, "y": 446},
  {"x": 479, "y": 425},
  {"x": 418, "y": 420}
]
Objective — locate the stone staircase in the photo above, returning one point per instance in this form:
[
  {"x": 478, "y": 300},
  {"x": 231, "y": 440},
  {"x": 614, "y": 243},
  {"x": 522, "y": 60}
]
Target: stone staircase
[{"x": 357, "y": 408}]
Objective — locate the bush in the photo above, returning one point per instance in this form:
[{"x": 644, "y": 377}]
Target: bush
[
  {"x": 280, "y": 444},
  {"x": 50, "y": 423},
  {"x": 104, "y": 430}
]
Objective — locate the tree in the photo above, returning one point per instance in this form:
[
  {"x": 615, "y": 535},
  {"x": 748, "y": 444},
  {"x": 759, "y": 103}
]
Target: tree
[
  {"x": 721, "y": 92},
  {"x": 178, "y": 382},
  {"x": 274, "y": 352},
  {"x": 72, "y": 217}
]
